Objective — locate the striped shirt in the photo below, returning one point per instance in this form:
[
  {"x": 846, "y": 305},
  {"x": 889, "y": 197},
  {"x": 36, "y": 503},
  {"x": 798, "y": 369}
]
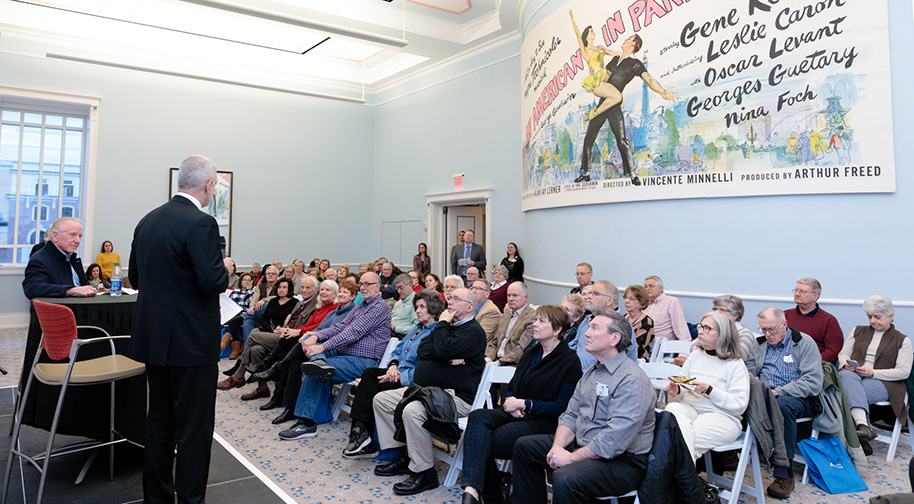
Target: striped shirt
[{"x": 363, "y": 333}]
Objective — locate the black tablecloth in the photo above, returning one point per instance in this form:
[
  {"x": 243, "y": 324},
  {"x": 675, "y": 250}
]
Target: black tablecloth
[{"x": 86, "y": 408}]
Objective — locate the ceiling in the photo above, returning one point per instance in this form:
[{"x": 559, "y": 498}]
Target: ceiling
[{"x": 344, "y": 49}]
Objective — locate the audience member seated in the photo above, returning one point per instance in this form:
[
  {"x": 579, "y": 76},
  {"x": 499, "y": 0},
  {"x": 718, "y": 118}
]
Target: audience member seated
[
  {"x": 416, "y": 279},
  {"x": 538, "y": 393},
  {"x": 403, "y": 314},
  {"x": 636, "y": 300},
  {"x": 666, "y": 312},
  {"x": 233, "y": 277},
  {"x": 513, "y": 263},
  {"x": 472, "y": 275},
  {"x": 574, "y": 306},
  {"x": 432, "y": 282},
  {"x": 290, "y": 366},
  {"x": 604, "y": 295},
  {"x": 399, "y": 373},
  {"x": 732, "y": 307},
  {"x": 257, "y": 272},
  {"x": 57, "y": 271},
  {"x": 242, "y": 297},
  {"x": 603, "y": 439},
  {"x": 582, "y": 274},
  {"x": 307, "y": 320},
  {"x": 451, "y": 283},
  {"x": 487, "y": 314},
  {"x": 342, "y": 272},
  {"x": 422, "y": 263},
  {"x": 107, "y": 259},
  {"x": 262, "y": 295},
  {"x": 515, "y": 328},
  {"x": 96, "y": 279},
  {"x": 709, "y": 409},
  {"x": 331, "y": 274},
  {"x": 791, "y": 365},
  {"x": 322, "y": 267},
  {"x": 810, "y": 319},
  {"x": 451, "y": 358},
  {"x": 289, "y": 272},
  {"x": 260, "y": 342},
  {"x": 883, "y": 359},
  {"x": 365, "y": 267},
  {"x": 498, "y": 294},
  {"x": 388, "y": 288},
  {"x": 340, "y": 354}
]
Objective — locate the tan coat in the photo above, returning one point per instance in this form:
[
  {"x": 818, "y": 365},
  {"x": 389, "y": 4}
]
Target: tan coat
[
  {"x": 488, "y": 317},
  {"x": 521, "y": 336}
]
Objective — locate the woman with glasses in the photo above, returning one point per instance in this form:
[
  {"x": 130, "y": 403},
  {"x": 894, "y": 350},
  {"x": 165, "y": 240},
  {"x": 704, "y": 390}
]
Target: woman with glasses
[
  {"x": 731, "y": 307},
  {"x": 709, "y": 408},
  {"x": 636, "y": 299},
  {"x": 538, "y": 393}
]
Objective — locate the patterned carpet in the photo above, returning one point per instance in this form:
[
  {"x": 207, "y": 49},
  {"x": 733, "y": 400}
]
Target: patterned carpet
[{"x": 313, "y": 470}]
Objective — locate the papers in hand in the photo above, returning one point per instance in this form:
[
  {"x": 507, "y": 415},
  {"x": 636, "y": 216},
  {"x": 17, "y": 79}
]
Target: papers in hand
[
  {"x": 463, "y": 262},
  {"x": 227, "y": 308}
]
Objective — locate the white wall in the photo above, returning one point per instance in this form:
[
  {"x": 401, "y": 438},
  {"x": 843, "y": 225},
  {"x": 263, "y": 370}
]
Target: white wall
[{"x": 302, "y": 166}]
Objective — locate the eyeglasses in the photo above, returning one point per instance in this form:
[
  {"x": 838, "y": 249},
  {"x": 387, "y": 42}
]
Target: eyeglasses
[
  {"x": 632, "y": 299},
  {"x": 366, "y": 284},
  {"x": 705, "y": 328},
  {"x": 804, "y": 292},
  {"x": 649, "y": 286},
  {"x": 770, "y": 330},
  {"x": 474, "y": 288},
  {"x": 596, "y": 293},
  {"x": 455, "y": 298}
]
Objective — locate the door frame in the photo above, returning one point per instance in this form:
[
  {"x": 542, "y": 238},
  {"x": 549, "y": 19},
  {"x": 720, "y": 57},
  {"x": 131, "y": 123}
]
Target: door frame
[{"x": 437, "y": 221}]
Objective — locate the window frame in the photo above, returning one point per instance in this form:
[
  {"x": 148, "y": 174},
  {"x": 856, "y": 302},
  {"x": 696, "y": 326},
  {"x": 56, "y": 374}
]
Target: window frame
[{"x": 54, "y": 102}]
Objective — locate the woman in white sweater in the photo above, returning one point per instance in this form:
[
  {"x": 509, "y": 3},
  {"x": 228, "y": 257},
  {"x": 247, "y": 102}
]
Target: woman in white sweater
[{"x": 709, "y": 409}]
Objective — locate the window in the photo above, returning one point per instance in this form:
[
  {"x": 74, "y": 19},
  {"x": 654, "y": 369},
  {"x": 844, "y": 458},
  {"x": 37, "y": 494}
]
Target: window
[
  {"x": 44, "y": 213},
  {"x": 44, "y": 165}
]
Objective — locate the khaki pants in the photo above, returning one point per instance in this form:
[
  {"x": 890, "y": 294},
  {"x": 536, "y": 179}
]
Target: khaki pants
[{"x": 418, "y": 440}]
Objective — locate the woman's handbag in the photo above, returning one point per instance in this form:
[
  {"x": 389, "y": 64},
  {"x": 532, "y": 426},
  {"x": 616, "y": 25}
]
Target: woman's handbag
[{"x": 830, "y": 467}]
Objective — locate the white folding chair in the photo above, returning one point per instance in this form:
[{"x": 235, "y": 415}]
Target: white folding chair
[
  {"x": 748, "y": 455},
  {"x": 665, "y": 348},
  {"x": 492, "y": 374},
  {"x": 659, "y": 374},
  {"x": 615, "y": 498},
  {"x": 883, "y": 436},
  {"x": 339, "y": 404}
]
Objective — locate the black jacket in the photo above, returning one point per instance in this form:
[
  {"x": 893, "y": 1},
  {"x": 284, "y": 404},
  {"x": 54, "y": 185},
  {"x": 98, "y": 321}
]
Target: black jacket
[
  {"x": 442, "y": 413},
  {"x": 671, "y": 477},
  {"x": 176, "y": 264},
  {"x": 48, "y": 273}
]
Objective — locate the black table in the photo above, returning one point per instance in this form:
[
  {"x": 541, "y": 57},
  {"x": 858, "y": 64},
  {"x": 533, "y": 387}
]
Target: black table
[{"x": 86, "y": 408}]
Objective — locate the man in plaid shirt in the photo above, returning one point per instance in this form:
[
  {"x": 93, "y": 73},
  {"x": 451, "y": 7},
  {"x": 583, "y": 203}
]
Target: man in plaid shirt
[{"x": 339, "y": 354}]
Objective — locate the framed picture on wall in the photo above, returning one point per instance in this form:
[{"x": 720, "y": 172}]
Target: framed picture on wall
[{"x": 221, "y": 205}]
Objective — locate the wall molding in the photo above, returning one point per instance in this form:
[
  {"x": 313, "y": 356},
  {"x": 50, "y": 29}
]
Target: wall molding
[
  {"x": 14, "y": 320},
  {"x": 744, "y": 297}
]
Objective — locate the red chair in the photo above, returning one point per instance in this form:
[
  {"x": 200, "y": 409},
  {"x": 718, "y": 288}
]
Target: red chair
[{"x": 59, "y": 341}]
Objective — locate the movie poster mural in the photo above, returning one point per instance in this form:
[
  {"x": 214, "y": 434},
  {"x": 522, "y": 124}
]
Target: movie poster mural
[{"x": 661, "y": 99}]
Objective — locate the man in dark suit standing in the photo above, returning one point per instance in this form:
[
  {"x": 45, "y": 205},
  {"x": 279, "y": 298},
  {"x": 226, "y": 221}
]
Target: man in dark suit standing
[
  {"x": 56, "y": 271},
  {"x": 474, "y": 254},
  {"x": 176, "y": 265}
]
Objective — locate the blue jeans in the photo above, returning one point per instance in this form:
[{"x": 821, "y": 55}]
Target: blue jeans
[
  {"x": 249, "y": 323},
  {"x": 314, "y": 396},
  {"x": 793, "y": 408}
]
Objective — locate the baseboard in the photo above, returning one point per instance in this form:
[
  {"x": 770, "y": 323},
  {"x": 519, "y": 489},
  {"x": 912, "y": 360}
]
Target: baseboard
[{"x": 14, "y": 320}]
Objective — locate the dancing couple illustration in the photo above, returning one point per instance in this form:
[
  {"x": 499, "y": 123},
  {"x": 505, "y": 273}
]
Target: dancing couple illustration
[{"x": 607, "y": 82}]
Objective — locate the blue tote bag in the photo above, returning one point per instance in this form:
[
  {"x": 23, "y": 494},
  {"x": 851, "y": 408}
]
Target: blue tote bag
[{"x": 830, "y": 467}]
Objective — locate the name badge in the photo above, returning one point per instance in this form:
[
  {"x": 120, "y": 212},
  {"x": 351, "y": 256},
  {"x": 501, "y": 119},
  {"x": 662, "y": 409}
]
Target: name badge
[
  {"x": 602, "y": 390},
  {"x": 788, "y": 359}
]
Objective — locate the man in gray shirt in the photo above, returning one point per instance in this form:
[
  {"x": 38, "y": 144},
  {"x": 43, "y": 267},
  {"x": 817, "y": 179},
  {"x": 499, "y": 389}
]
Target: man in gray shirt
[{"x": 601, "y": 445}]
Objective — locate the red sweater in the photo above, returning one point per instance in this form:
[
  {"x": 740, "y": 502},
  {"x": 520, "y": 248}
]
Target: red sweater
[
  {"x": 316, "y": 318},
  {"x": 824, "y": 329}
]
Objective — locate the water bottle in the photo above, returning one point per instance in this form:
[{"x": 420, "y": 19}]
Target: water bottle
[{"x": 116, "y": 280}]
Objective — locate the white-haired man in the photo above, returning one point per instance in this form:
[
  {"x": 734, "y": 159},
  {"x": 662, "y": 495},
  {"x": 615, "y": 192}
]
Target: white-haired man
[
  {"x": 57, "y": 271},
  {"x": 666, "y": 312}
]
